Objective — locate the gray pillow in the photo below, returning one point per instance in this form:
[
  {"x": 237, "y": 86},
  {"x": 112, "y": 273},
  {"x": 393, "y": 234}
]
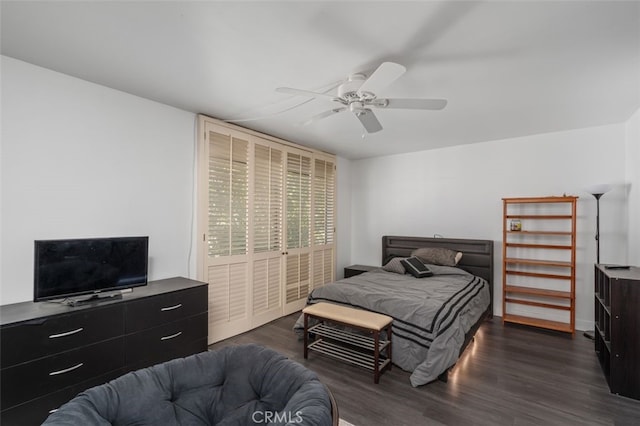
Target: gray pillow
[
  {"x": 437, "y": 256},
  {"x": 395, "y": 265}
]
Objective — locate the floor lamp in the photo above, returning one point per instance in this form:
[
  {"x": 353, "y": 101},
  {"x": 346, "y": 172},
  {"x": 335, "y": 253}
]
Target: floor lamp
[{"x": 597, "y": 191}]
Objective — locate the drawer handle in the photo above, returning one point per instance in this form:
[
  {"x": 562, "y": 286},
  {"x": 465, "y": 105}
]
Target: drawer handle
[
  {"x": 173, "y": 336},
  {"x": 171, "y": 308},
  {"x": 67, "y": 333},
  {"x": 66, "y": 370}
]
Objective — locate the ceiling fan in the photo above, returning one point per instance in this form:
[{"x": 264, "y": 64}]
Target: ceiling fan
[{"x": 358, "y": 95}]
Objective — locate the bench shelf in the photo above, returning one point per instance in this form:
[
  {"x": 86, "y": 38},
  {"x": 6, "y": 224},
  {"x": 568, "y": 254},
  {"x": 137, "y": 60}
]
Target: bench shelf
[
  {"x": 361, "y": 341},
  {"x": 360, "y": 344},
  {"x": 347, "y": 354}
]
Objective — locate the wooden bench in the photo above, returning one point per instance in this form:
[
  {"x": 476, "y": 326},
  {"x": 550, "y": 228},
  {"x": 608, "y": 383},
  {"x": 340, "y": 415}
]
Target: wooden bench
[{"x": 364, "y": 350}]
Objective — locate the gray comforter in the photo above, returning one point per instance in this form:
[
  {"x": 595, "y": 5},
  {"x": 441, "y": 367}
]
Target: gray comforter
[{"x": 431, "y": 315}]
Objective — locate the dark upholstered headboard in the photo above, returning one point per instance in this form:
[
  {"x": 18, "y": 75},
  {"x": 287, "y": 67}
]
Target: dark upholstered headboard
[{"x": 477, "y": 257}]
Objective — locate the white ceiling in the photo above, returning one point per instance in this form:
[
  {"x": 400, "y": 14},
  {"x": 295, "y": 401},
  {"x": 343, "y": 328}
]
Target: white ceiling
[{"x": 507, "y": 68}]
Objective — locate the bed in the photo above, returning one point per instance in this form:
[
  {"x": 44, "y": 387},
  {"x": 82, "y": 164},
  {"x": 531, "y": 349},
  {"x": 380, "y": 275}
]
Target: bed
[{"x": 436, "y": 317}]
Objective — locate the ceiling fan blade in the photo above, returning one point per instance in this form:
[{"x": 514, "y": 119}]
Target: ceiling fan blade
[
  {"x": 307, "y": 93},
  {"x": 322, "y": 115},
  {"x": 383, "y": 76},
  {"x": 369, "y": 121},
  {"x": 408, "y": 103}
]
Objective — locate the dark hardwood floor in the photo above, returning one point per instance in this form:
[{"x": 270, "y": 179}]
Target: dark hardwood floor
[{"x": 509, "y": 375}]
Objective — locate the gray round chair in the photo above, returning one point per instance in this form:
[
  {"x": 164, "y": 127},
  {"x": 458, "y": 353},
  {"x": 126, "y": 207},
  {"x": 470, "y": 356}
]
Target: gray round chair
[{"x": 236, "y": 385}]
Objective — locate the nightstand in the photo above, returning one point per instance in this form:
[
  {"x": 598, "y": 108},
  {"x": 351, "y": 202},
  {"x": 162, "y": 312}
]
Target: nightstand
[{"x": 352, "y": 270}]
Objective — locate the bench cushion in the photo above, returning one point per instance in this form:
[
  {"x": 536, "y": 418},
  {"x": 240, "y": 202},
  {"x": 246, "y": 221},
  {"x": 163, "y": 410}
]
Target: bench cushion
[{"x": 349, "y": 316}]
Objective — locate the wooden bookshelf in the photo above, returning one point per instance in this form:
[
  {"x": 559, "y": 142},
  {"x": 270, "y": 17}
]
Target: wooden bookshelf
[{"x": 539, "y": 262}]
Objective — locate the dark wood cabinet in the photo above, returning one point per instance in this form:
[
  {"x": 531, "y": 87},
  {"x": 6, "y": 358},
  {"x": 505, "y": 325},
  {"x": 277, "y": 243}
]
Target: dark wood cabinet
[
  {"x": 617, "y": 322},
  {"x": 352, "y": 270},
  {"x": 51, "y": 352}
]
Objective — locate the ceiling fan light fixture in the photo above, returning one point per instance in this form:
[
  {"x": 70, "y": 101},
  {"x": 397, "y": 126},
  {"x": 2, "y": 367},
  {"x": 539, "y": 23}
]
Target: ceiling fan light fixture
[
  {"x": 356, "y": 107},
  {"x": 358, "y": 94}
]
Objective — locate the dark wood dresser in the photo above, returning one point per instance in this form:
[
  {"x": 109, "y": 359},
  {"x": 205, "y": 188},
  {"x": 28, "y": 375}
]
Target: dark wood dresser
[
  {"x": 50, "y": 352},
  {"x": 617, "y": 325}
]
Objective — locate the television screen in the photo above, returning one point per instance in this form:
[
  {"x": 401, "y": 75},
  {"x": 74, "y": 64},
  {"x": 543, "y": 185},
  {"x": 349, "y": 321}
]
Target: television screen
[{"x": 66, "y": 268}]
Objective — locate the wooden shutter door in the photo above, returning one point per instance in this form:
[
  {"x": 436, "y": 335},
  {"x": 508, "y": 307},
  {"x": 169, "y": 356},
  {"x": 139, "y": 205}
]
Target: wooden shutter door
[
  {"x": 268, "y": 222},
  {"x": 297, "y": 229},
  {"x": 226, "y": 260},
  {"x": 324, "y": 184}
]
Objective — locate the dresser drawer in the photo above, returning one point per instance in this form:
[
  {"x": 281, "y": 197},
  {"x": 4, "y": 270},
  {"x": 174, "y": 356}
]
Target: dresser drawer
[
  {"x": 37, "y": 410},
  {"x": 155, "y": 344},
  {"x": 37, "y": 338},
  {"x": 30, "y": 380},
  {"x": 180, "y": 351},
  {"x": 153, "y": 311}
]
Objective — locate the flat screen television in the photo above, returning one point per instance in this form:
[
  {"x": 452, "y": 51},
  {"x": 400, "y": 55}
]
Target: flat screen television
[{"x": 68, "y": 268}]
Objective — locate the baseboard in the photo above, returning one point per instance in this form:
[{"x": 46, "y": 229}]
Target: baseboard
[{"x": 584, "y": 325}]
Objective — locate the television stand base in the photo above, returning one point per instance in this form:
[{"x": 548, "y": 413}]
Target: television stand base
[{"x": 92, "y": 299}]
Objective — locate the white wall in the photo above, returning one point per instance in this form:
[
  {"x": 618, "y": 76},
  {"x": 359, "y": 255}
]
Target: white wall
[
  {"x": 633, "y": 179},
  {"x": 83, "y": 160},
  {"x": 79, "y": 159},
  {"x": 343, "y": 220},
  {"x": 456, "y": 192}
]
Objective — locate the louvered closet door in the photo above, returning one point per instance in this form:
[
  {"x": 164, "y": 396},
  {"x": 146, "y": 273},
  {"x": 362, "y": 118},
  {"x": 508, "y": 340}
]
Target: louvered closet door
[
  {"x": 268, "y": 232},
  {"x": 227, "y": 238},
  {"x": 324, "y": 190},
  {"x": 297, "y": 229},
  {"x": 266, "y": 222}
]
